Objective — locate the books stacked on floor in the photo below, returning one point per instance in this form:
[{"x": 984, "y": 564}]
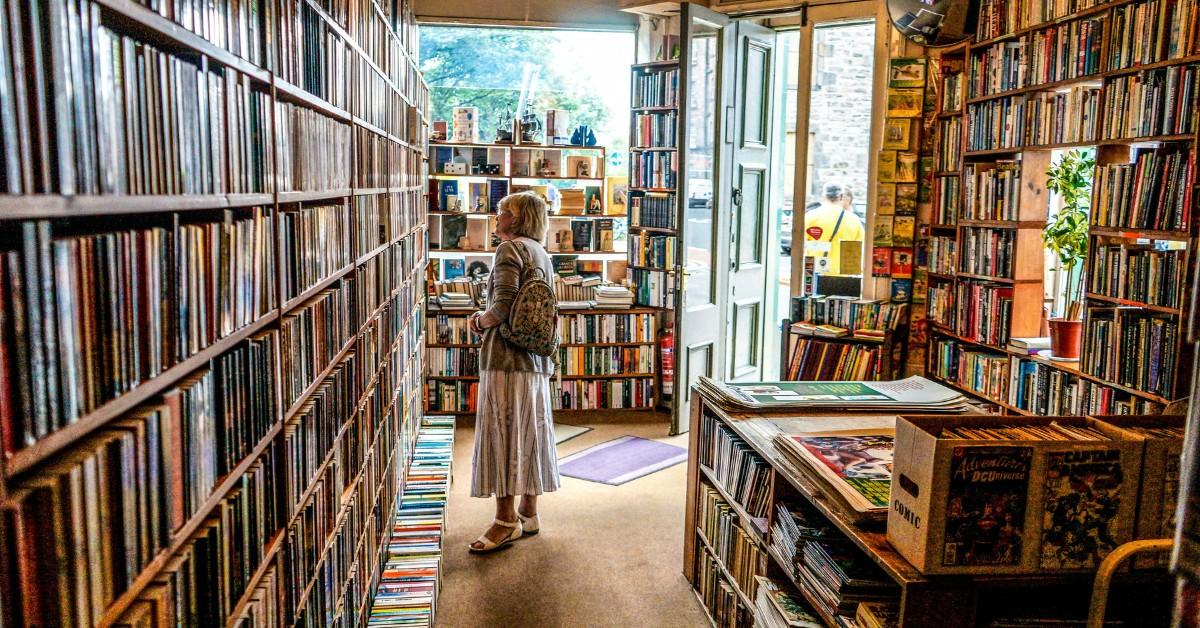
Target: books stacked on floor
[
  {"x": 913, "y": 394},
  {"x": 613, "y": 297},
  {"x": 833, "y": 574},
  {"x": 408, "y": 586},
  {"x": 775, "y": 606}
]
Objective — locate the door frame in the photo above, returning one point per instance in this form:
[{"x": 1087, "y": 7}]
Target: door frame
[
  {"x": 843, "y": 12},
  {"x": 681, "y": 393}
]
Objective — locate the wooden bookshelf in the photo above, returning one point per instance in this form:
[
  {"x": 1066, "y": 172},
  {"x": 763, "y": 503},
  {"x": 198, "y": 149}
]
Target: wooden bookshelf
[
  {"x": 950, "y": 601},
  {"x": 1102, "y": 70},
  {"x": 446, "y": 390},
  {"x": 248, "y": 173}
]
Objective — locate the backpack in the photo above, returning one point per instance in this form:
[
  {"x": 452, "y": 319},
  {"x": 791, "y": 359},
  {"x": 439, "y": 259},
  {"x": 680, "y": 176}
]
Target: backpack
[{"x": 533, "y": 319}]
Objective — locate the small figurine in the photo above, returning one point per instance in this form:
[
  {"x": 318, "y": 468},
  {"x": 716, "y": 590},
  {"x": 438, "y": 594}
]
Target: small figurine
[
  {"x": 531, "y": 127},
  {"x": 505, "y": 124}
]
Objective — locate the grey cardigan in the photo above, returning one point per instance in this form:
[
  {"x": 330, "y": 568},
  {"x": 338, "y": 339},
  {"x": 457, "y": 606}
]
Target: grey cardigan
[{"x": 496, "y": 353}]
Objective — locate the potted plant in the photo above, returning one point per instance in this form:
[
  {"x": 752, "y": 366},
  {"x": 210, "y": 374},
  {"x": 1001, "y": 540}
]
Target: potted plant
[{"x": 1066, "y": 235}]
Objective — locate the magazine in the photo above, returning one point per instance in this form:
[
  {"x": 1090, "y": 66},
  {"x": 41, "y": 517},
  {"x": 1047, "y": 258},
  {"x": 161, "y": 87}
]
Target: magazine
[
  {"x": 856, "y": 463},
  {"x": 985, "y": 505},
  {"x": 914, "y": 394}
]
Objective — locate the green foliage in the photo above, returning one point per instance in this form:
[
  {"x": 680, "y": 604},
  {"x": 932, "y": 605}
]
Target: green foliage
[
  {"x": 482, "y": 67},
  {"x": 1066, "y": 235}
]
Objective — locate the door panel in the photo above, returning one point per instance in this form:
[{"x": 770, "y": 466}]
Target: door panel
[
  {"x": 700, "y": 302},
  {"x": 749, "y": 174}
]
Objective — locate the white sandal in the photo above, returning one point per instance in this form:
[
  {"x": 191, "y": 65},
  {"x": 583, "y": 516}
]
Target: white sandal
[
  {"x": 490, "y": 545},
  {"x": 529, "y": 525}
]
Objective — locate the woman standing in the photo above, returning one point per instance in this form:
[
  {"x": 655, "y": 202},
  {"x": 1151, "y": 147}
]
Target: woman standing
[{"x": 514, "y": 429}]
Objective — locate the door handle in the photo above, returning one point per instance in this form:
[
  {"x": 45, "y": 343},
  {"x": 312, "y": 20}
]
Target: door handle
[{"x": 737, "y": 196}]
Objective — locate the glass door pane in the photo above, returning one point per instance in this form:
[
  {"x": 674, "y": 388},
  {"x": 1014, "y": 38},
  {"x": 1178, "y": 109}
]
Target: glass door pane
[
  {"x": 699, "y": 166},
  {"x": 838, "y": 148}
]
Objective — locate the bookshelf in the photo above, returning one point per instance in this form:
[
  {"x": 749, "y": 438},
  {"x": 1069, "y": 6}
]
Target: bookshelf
[
  {"x": 733, "y": 452},
  {"x": 210, "y": 308},
  {"x": 607, "y": 360},
  {"x": 1117, "y": 76}
]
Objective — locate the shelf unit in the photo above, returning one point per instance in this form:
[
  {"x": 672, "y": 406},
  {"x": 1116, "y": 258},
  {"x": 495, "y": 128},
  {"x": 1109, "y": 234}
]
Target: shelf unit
[
  {"x": 950, "y": 601},
  {"x": 452, "y": 361},
  {"x": 1101, "y": 83},
  {"x": 381, "y": 101}
]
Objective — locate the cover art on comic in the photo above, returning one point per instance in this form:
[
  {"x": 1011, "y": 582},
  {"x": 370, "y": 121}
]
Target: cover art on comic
[
  {"x": 985, "y": 505},
  {"x": 1082, "y": 500}
]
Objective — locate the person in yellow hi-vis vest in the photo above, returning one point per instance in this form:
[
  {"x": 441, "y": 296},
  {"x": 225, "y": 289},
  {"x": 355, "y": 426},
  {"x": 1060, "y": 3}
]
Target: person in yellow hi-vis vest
[{"x": 831, "y": 223}]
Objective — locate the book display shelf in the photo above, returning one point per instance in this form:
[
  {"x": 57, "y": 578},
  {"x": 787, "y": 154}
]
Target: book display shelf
[
  {"x": 1122, "y": 77},
  {"x": 750, "y": 510},
  {"x": 607, "y": 360},
  {"x": 212, "y": 258}
]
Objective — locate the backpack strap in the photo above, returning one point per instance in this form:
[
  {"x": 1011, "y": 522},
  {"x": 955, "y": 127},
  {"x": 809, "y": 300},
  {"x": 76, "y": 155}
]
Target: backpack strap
[{"x": 526, "y": 260}]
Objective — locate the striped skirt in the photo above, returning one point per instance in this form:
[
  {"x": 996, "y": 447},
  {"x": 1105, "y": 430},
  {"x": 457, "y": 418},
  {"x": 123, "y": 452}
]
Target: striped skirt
[{"x": 514, "y": 436}]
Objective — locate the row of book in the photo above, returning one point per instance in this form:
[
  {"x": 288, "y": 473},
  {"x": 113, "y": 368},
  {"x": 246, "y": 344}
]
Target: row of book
[
  {"x": 1152, "y": 192},
  {"x": 1056, "y": 53},
  {"x": 472, "y": 196},
  {"x": 123, "y": 493},
  {"x": 986, "y": 251},
  {"x": 240, "y": 27},
  {"x": 1155, "y": 102},
  {"x": 658, "y": 251},
  {"x": 983, "y": 312},
  {"x": 993, "y": 191},
  {"x": 380, "y": 162},
  {"x": 314, "y": 150},
  {"x": 1040, "y": 389},
  {"x": 952, "y": 94},
  {"x": 1029, "y": 384},
  {"x": 949, "y": 201},
  {"x": 652, "y": 209},
  {"x": 737, "y": 467},
  {"x": 451, "y": 396},
  {"x": 942, "y": 254},
  {"x": 314, "y": 244},
  {"x": 848, "y": 312},
  {"x": 60, "y": 292},
  {"x": 312, "y": 337},
  {"x": 1037, "y": 119},
  {"x": 1136, "y": 272},
  {"x": 1131, "y": 347},
  {"x": 949, "y": 149},
  {"x": 940, "y": 305},
  {"x": 724, "y": 536},
  {"x": 312, "y": 56},
  {"x": 1153, "y": 31},
  {"x": 121, "y": 130},
  {"x": 408, "y": 588},
  {"x": 776, "y": 605},
  {"x": 652, "y": 169},
  {"x": 452, "y": 362},
  {"x": 655, "y": 87},
  {"x": 604, "y": 394},
  {"x": 443, "y": 329},
  {"x": 385, "y": 217},
  {"x": 818, "y": 360},
  {"x": 604, "y": 328},
  {"x": 719, "y": 595},
  {"x": 998, "y": 18},
  {"x": 607, "y": 360},
  {"x": 654, "y": 288},
  {"x": 655, "y": 130}
]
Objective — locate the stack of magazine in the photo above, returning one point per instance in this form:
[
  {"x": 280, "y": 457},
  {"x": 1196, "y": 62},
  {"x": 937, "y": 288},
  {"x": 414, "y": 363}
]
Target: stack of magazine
[
  {"x": 832, "y": 573},
  {"x": 853, "y": 468},
  {"x": 912, "y": 395},
  {"x": 775, "y": 607}
]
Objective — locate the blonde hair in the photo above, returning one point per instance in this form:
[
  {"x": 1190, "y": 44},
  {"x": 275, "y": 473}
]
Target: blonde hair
[{"x": 529, "y": 215}]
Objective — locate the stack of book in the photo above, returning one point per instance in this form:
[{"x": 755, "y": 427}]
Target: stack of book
[
  {"x": 776, "y": 607},
  {"x": 408, "y": 586},
  {"x": 613, "y": 297},
  {"x": 743, "y": 473}
]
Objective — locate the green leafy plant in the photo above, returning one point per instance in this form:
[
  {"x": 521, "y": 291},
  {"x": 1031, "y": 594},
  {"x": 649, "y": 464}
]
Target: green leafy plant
[{"x": 1066, "y": 235}]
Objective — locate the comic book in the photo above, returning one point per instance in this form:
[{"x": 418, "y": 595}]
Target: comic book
[
  {"x": 1081, "y": 503},
  {"x": 985, "y": 505},
  {"x": 858, "y": 466}
]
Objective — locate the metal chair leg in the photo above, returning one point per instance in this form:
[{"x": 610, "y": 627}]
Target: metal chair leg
[{"x": 1108, "y": 567}]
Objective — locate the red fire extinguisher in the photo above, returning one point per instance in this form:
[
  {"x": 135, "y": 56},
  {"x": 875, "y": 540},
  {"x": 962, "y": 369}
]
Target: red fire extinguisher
[{"x": 666, "y": 348}]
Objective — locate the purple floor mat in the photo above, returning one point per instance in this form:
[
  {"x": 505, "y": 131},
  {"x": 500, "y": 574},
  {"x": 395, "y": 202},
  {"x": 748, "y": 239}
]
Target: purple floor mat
[{"x": 620, "y": 460}]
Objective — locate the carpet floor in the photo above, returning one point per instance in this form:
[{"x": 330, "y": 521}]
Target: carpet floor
[{"x": 606, "y": 556}]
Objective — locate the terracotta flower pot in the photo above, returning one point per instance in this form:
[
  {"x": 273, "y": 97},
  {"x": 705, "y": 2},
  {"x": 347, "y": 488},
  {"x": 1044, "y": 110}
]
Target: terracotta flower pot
[{"x": 1065, "y": 336}]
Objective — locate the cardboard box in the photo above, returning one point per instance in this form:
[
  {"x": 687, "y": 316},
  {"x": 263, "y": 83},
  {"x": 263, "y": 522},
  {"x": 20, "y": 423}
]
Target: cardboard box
[
  {"x": 1007, "y": 507},
  {"x": 1158, "y": 492}
]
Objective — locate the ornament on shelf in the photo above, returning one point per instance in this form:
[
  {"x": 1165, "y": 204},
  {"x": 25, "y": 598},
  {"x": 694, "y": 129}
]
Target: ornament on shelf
[
  {"x": 583, "y": 136},
  {"x": 505, "y": 125},
  {"x": 531, "y": 127}
]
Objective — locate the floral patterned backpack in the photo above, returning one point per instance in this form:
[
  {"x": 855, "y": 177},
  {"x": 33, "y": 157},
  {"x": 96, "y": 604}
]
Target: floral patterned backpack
[{"x": 533, "y": 319}]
